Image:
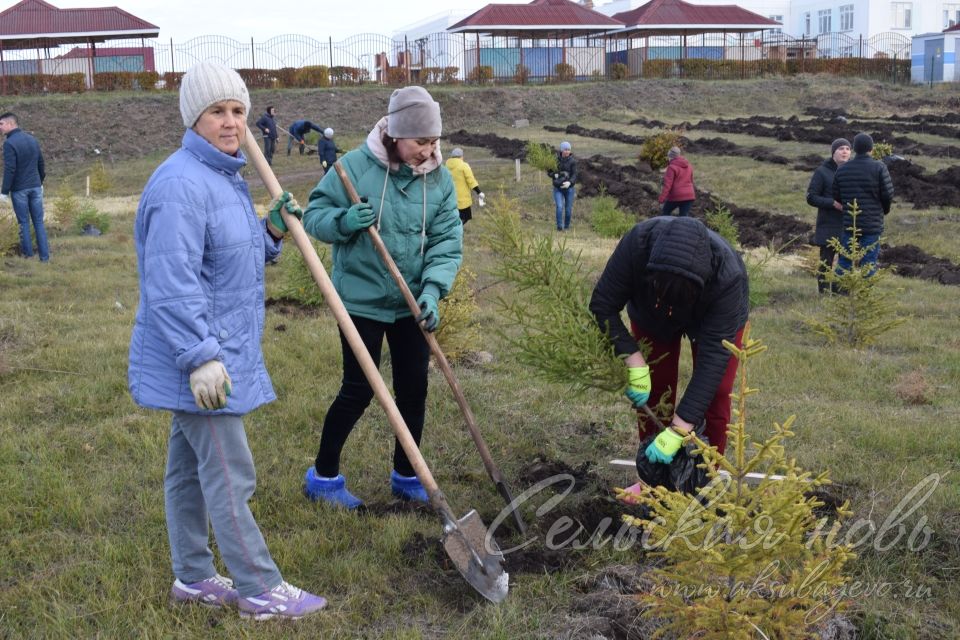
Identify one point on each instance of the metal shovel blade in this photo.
(465, 544)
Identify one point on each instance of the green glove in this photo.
(664, 446)
(288, 202)
(358, 217)
(429, 311)
(638, 391)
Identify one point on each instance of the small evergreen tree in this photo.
(458, 333)
(541, 156)
(744, 559)
(865, 308)
(296, 282)
(607, 219)
(100, 181)
(89, 216)
(66, 206)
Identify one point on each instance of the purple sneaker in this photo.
(283, 601)
(214, 592)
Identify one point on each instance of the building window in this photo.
(778, 19)
(824, 16)
(846, 17)
(902, 15)
(806, 24)
(951, 15)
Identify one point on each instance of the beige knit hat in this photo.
(413, 113)
(207, 83)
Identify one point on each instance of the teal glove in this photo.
(288, 202)
(357, 218)
(664, 446)
(429, 311)
(638, 391)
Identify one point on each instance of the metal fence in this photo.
(444, 57)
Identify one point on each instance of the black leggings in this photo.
(827, 254)
(410, 356)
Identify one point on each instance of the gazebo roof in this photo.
(35, 23)
(676, 17)
(538, 19)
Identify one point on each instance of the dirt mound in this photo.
(913, 262)
(911, 182)
(497, 145)
(543, 468)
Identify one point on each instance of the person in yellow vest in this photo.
(465, 182)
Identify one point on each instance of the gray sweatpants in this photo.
(210, 477)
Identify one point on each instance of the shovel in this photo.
(471, 549)
(492, 470)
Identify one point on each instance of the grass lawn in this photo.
(84, 550)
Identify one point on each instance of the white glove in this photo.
(210, 384)
(565, 184)
(4, 197)
(481, 199)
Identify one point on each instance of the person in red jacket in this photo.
(678, 191)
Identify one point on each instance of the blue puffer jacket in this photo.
(200, 254)
(22, 162)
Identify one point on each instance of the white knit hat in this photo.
(328, 133)
(456, 153)
(413, 113)
(207, 83)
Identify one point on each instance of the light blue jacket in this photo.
(201, 252)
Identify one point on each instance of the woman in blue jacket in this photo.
(195, 348)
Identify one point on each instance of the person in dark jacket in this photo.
(268, 127)
(23, 176)
(298, 130)
(327, 150)
(866, 181)
(563, 180)
(676, 278)
(829, 211)
(678, 191)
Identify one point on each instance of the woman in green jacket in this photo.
(409, 195)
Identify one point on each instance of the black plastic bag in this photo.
(682, 474)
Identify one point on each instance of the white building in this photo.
(855, 17)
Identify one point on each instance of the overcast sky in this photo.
(264, 19)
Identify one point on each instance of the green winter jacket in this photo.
(426, 242)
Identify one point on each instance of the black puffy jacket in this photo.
(820, 195)
(868, 182)
(566, 171)
(685, 246)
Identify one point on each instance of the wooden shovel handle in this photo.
(333, 300)
(431, 339)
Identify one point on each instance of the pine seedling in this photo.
(100, 181)
(541, 156)
(607, 219)
(744, 561)
(458, 333)
(296, 282)
(864, 308)
(552, 330)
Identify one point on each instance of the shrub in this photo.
(541, 156)
(66, 206)
(296, 282)
(396, 76)
(482, 74)
(658, 69)
(720, 220)
(314, 76)
(458, 334)
(606, 219)
(863, 310)
(341, 75)
(90, 217)
(9, 232)
(565, 72)
(113, 81)
(881, 150)
(172, 79)
(146, 80)
(656, 147)
(744, 561)
(521, 75)
(619, 71)
(100, 181)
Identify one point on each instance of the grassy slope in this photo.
(84, 552)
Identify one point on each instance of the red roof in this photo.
(679, 16)
(537, 16)
(955, 27)
(33, 21)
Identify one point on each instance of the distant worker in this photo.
(678, 191)
(268, 127)
(298, 131)
(867, 182)
(464, 181)
(327, 150)
(829, 211)
(563, 180)
(23, 175)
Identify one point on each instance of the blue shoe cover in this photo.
(329, 490)
(407, 488)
